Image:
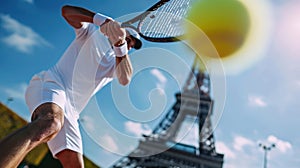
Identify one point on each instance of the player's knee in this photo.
(48, 129)
(48, 122)
(51, 127)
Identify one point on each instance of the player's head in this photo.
(133, 39)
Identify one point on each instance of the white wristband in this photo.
(121, 50)
(99, 19)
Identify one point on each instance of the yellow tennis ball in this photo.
(224, 22)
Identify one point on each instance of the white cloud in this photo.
(29, 1)
(223, 148)
(161, 78)
(241, 142)
(137, 128)
(245, 152)
(282, 146)
(242, 152)
(159, 75)
(108, 143)
(256, 101)
(16, 92)
(21, 37)
(88, 123)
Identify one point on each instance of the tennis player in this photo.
(56, 96)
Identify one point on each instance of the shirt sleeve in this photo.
(86, 30)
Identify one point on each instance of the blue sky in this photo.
(262, 80)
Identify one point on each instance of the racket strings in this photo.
(167, 20)
(175, 22)
(160, 20)
(170, 9)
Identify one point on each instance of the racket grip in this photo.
(99, 19)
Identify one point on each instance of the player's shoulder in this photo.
(86, 29)
(89, 26)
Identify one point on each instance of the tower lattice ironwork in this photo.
(162, 149)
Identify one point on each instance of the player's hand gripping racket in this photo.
(162, 22)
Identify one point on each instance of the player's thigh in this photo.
(45, 97)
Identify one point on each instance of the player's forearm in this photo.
(75, 15)
(123, 69)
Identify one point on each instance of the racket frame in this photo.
(139, 18)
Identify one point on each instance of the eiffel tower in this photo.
(160, 148)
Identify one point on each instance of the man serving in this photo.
(56, 97)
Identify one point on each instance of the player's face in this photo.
(130, 42)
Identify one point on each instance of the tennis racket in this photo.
(162, 22)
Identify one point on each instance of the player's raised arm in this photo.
(121, 39)
(75, 15)
(118, 35)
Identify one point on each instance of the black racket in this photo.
(162, 22)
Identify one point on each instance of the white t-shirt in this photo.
(86, 66)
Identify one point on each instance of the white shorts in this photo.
(44, 88)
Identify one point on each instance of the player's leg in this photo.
(67, 144)
(70, 159)
(48, 120)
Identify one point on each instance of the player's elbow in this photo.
(124, 80)
(65, 10)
